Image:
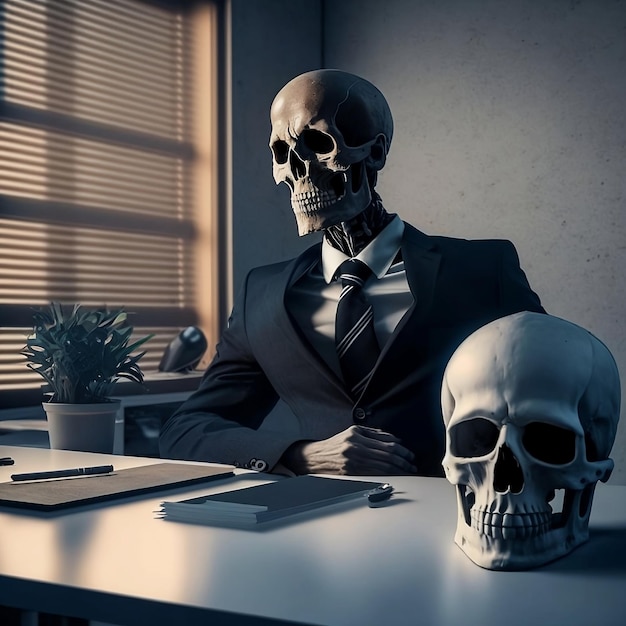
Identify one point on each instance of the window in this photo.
(108, 187)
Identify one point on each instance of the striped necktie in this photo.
(355, 340)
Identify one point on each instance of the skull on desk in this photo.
(330, 135)
(531, 405)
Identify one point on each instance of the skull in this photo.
(331, 132)
(531, 404)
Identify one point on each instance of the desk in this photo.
(391, 566)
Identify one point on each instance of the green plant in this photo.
(82, 354)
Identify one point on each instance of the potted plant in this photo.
(81, 354)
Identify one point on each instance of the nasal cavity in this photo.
(297, 166)
(508, 474)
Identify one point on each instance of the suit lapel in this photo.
(421, 264)
(300, 267)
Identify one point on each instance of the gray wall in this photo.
(509, 123)
(272, 41)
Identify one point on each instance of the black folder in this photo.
(264, 503)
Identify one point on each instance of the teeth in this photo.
(309, 202)
(511, 533)
(510, 525)
(513, 521)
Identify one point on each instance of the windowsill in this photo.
(160, 382)
(158, 387)
(136, 429)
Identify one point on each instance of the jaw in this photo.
(516, 554)
(529, 537)
(311, 219)
(316, 209)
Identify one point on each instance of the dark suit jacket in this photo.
(458, 286)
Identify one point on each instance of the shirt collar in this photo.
(378, 255)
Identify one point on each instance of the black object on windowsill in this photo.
(185, 351)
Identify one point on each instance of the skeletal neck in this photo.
(352, 236)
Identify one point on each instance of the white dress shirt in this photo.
(312, 300)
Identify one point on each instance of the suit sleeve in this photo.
(515, 291)
(220, 421)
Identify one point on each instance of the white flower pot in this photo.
(84, 427)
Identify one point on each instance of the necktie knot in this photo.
(353, 272)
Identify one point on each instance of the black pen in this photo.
(66, 473)
(6, 460)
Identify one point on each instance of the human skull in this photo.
(331, 132)
(531, 404)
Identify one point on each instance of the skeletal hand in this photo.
(358, 450)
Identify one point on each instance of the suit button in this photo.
(358, 413)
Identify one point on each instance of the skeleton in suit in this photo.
(331, 132)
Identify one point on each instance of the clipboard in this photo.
(54, 495)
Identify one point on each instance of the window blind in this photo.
(97, 163)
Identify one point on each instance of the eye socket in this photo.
(280, 150)
(549, 443)
(474, 437)
(317, 141)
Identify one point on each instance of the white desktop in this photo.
(396, 565)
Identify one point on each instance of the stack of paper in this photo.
(264, 503)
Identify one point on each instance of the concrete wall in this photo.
(272, 41)
(509, 123)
